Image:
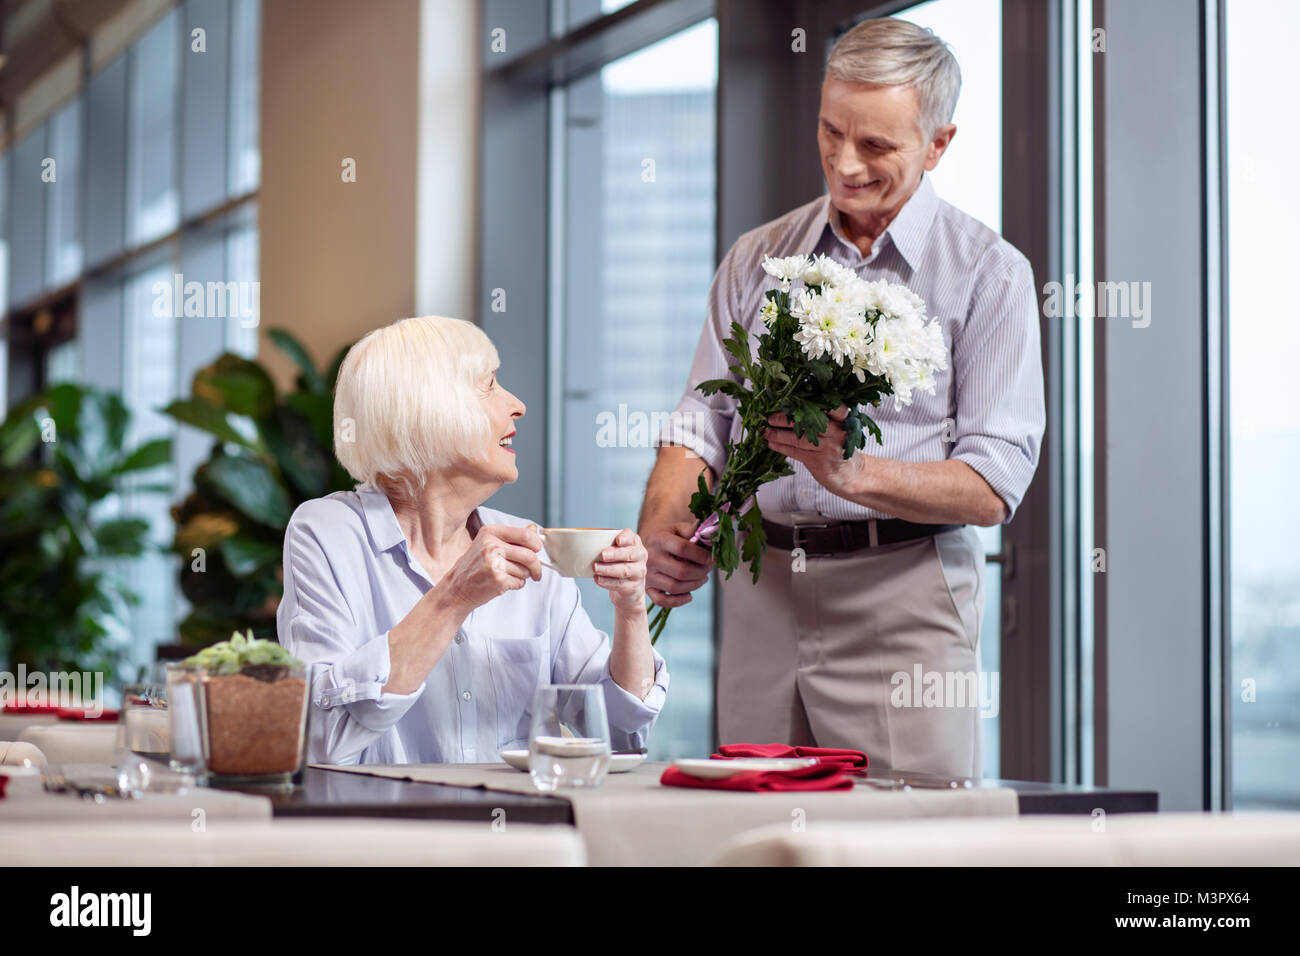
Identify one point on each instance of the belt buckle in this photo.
(798, 538)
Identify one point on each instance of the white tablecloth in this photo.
(632, 819)
(25, 800)
(1121, 839)
(72, 741)
(13, 725)
(333, 843)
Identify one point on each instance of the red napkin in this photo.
(814, 777)
(4, 782)
(849, 761)
(13, 707)
(79, 713)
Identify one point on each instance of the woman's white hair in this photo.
(892, 52)
(408, 402)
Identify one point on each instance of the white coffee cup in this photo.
(573, 551)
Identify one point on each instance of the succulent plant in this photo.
(245, 654)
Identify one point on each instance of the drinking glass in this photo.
(143, 735)
(568, 744)
(184, 717)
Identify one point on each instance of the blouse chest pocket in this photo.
(519, 665)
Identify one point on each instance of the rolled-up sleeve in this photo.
(583, 657)
(315, 623)
(700, 423)
(998, 381)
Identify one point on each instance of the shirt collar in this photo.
(908, 231)
(381, 520)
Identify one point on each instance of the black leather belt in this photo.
(846, 536)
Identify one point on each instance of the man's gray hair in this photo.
(892, 52)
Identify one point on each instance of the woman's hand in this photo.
(620, 570)
(501, 558)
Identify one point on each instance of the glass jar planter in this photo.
(254, 724)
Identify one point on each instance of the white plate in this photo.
(622, 763)
(618, 763)
(719, 769)
(516, 758)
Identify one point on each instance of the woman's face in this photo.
(502, 409)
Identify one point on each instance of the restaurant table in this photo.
(328, 793)
(633, 819)
(13, 725)
(26, 801)
(74, 741)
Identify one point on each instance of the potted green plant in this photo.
(272, 452)
(253, 704)
(63, 458)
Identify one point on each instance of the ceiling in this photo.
(36, 34)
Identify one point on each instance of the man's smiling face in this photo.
(873, 148)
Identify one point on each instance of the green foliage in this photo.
(241, 651)
(272, 452)
(63, 454)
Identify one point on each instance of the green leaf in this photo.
(222, 425)
(298, 452)
(873, 428)
(149, 455)
(738, 345)
(725, 554)
(775, 371)
(724, 385)
(751, 523)
(854, 439)
(122, 536)
(252, 488)
(19, 435)
(332, 373)
(702, 503)
(235, 384)
(290, 346)
(319, 411)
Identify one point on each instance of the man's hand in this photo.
(825, 460)
(675, 566)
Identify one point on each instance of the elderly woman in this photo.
(435, 615)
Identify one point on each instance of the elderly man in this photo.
(873, 575)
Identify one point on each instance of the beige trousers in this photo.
(876, 649)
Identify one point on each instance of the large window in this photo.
(1263, 393)
(149, 173)
(636, 213)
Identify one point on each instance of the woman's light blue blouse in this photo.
(349, 577)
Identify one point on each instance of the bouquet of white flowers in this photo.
(840, 340)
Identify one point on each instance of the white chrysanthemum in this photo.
(872, 326)
(824, 271)
(907, 350)
(823, 324)
(769, 311)
(785, 269)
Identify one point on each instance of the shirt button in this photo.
(460, 638)
(466, 695)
